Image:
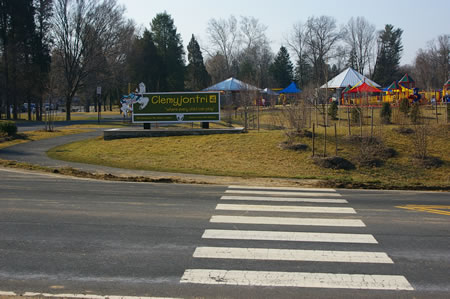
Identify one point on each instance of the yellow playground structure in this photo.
(397, 90)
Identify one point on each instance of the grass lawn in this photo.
(257, 154)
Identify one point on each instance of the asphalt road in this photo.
(23, 126)
(73, 236)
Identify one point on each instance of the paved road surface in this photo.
(62, 235)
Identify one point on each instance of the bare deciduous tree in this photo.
(224, 39)
(255, 57)
(86, 32)
(359, 35)
(253, 33)
(322, 36)
(296, 42)
(432, 65)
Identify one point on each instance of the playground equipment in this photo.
(416, 96)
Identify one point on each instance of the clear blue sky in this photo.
(421, 21)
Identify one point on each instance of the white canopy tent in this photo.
(349, 77)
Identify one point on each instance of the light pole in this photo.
(99, 108)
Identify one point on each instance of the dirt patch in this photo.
(429, 162)
(334, 163)
(404, 131)
(293, 146)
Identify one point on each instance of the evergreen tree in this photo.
(351, 62)
(17, 32)
(282, 68)
(144, 63)
(386, 113)
(333, 110)
(41, 45)
(303, 72)
(197, 78)
(416, 114)
(404, 106)
(169, 47)
(389, 53)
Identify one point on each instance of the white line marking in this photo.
(310, 194)
(287, 209)
(287, 221)
(292, 255)
(282, 188)
(288, 236)
(286, 199)
(2, 293)
(296, 279)
(86, 296)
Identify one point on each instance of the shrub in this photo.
(8, 127)
(333, 110)
(415, 113)
(420, 141)
(404, 106)
(356, 114)
(369, 150)
(386, 113)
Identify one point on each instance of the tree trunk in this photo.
(39, 106)
(87, 105)
(68, 106)
(29, 106)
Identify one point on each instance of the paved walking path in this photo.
(34, 152)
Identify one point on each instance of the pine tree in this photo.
(386, 113)
(282, 68)
(41, 45)
(389, 54)
(170, 50)
(144, 63)
(333, 110)
(197, 78)
(17, 31)
(351, 62)
(303, 72)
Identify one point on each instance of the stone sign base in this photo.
(164, 132)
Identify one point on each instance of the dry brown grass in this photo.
(258, 155)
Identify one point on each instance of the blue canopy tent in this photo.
(291, 89)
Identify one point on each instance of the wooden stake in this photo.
(336, 139)
(313, 139)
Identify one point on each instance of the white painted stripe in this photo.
(285, 199)
(292, 255)
(288, 236)
(296, 279)
(306, 194)
(287, 209)
(282, 188)
(287, 221)
(87, 296)
(2, 293)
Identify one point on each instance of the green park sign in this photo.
(177, 107)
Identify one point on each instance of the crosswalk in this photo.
(277, 208)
